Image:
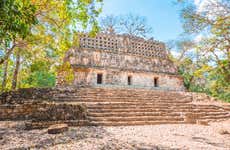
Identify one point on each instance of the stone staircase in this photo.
(115, 107)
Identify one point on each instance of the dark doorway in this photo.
(99, 78)
(129, 80)
(156, 84)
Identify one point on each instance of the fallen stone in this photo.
(57, 128)
(201, 122)
(224, 131)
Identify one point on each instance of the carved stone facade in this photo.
(121, 60)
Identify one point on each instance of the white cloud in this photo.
(198, 38)
(175, 53)
(197, 2)
(202, 5)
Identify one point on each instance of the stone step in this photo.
(127, 106)
(110, 91)
(130, 98)
(150, 113)
(118, 95)
(131, 123)
(205, 106)
(204, 114)
(132, 114)
(131, 105)
(227, 116)
(151, 110)
(125, 101)
(105, 96)
(150, 104)
(142, 118)
(130, 101)
(137, 102)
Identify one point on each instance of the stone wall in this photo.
(43, 107)
(27, 95)
(116, 68)
(100, 59)
(114, 77)
(123, 44)
(39, 105)
(120, 56)
(42, 112)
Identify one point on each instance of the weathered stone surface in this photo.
(124, 44)
(100, 59)
(30, 125)
(120, 56)
(191, 118)
(224, 132)
(109, 106)
(39, 105)
(30, 95)
(57, 128)
(113, 77)
(202, 122)
(43, 112)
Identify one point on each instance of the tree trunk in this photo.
(16, 70)
(4, 79)
(8, 53)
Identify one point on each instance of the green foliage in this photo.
(66, 73)
(184, 71)
(220, 81)
(40, 79)
(216, 82)
(16, 19)
(43, 30)
(39, 75)
(211, 67)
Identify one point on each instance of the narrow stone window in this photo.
(99, 78)
(129, 80)
(156, 84)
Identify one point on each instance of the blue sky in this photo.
(162, 15)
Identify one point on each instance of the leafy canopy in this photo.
(16, 19)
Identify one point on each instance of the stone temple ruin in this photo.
(122, 60)
(118, 80)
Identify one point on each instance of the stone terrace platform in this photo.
(110, 106)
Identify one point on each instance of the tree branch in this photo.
(8, 52)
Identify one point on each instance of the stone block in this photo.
(202, 122)
(57, 128)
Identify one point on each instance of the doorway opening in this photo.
(99, 78)
(129, 80)
(156, 82)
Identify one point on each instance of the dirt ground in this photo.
(215, 136)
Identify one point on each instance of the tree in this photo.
(212, 21)
(16, 70)
(130, 24)
(109, 24)
(56, 30)
(38, 75)
(16, 19)
(5, 74)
